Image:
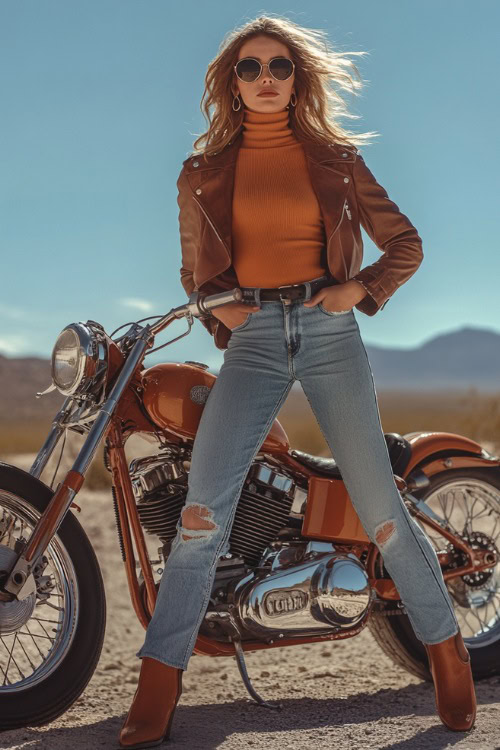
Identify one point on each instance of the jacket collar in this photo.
(315, 152)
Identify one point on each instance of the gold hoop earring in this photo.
(293, 103)
(236, 99)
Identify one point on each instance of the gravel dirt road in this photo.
(346, 695)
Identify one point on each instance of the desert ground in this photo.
(346, 695)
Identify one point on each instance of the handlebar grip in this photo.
(206, 302)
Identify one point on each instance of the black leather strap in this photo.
(291, 292)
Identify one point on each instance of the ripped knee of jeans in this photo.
(384, 531)
(196, 522)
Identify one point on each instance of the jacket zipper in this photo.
(338, 224)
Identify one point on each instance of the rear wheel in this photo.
(469, 499)
(50, 642)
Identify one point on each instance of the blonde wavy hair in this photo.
(319, 74)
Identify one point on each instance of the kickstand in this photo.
(240, 661)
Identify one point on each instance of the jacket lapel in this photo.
(330, 179)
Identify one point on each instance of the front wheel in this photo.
(469, 499)
(50, 642)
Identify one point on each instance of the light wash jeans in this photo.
(276, 345)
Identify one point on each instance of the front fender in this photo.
(16, 480)
(433, 452)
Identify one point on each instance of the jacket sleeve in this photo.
(189, 231)
(393, 234)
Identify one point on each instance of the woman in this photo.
(274, 206)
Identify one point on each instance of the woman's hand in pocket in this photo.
(234, 314)
(338, 297)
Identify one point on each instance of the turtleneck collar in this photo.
(266, 129)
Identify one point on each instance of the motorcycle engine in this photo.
(272, 583)
(269, 501)
(300, 589)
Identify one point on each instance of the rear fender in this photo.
(433, 452)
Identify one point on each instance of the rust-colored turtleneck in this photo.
(277, 228)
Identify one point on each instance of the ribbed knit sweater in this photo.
(277, 228)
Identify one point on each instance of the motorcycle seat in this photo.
(399, 453)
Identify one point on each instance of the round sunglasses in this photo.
(249, 69)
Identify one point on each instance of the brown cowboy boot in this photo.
(449, 663)
(150, 716)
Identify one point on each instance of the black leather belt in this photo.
(288, 291)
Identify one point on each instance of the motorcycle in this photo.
(300, 567)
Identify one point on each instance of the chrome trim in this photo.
(470, 507)
(89, 447)
(93, 362)
(52, 439)
(267, 474)
(310, 589)
(107, 409)
(67, 610)
(152, 473)
(424, 508)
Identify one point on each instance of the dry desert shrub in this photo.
(470, 413)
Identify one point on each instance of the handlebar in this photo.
(199, 305)
(207, 301)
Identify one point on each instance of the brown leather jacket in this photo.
(348, 195)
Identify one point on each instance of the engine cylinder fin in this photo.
(259, 517)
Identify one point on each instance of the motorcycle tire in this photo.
(61, 681)
(394, 633)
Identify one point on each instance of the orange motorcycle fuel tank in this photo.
(175, 393)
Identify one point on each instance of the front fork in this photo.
(20, 582)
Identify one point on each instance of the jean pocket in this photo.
(331, 312)
(242, 325)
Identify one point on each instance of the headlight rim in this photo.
(93, 359)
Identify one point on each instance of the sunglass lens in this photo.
(281, 68)
(248, 70)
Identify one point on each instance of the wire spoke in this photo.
(11, 656)
(45, 631)
(21, 632)
(41, 619)
(54, 606)
(25, 652)
(471, 506)
(5, 678)
(33, 639)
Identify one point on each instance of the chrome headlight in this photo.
(80, 359)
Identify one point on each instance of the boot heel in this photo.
(156, 698)
(166, 736)
(455, 697)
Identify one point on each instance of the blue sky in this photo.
(101, 104)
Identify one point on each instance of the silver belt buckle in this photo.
(283, 286)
